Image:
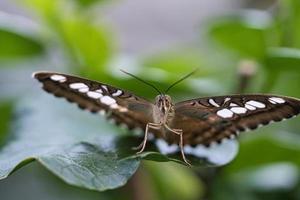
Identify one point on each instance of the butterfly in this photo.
(187, 123)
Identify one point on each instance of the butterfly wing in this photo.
(120, 105)
(211, 119)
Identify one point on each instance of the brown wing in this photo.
(211, 119)
(120, 105)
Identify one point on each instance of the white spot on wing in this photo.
(256, 104)
(225, 113)
(233, 104)
(117, 93)
(104, 87)
(78, 85)
(58, 78)
(94, 95)
(249, 107)
(123, 109)
(119, 108)
(83, 90)
(107, 100)
(227, 99)
(239, 110)
(114, 106)
(275, 100)
(212, 102)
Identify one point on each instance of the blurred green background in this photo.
(247, 46)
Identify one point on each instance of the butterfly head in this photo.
(164, 103)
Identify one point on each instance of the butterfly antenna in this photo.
(183, 78)
(143, 81)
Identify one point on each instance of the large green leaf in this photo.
(54, 137)
(90, 166)
(17, 40)
(245, 33)
(282, 66)
(81, 148)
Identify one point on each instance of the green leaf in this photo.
(180, 180)
(272, 182)
(266, 149)
(276, 152)
(86, 3)
(283, 59)
(87, 43)
(90, 166)
(5, 118)
(68, 144)
(282, 63)
(289, 20)
(169, 67)
(14, 45)
(16, 40)
(244, 33)
(80, 148)
(278, 176)
(177, 62)
(40, 183)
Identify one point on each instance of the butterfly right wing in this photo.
(122, 106)
(207, 120)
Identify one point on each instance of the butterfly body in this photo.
(190, 123)
(163, 113)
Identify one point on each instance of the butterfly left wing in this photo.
(207, 120)
(122, 106)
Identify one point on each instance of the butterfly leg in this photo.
(143, 144)
(180, 133)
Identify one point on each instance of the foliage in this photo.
(85, 151)
(5, 117)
